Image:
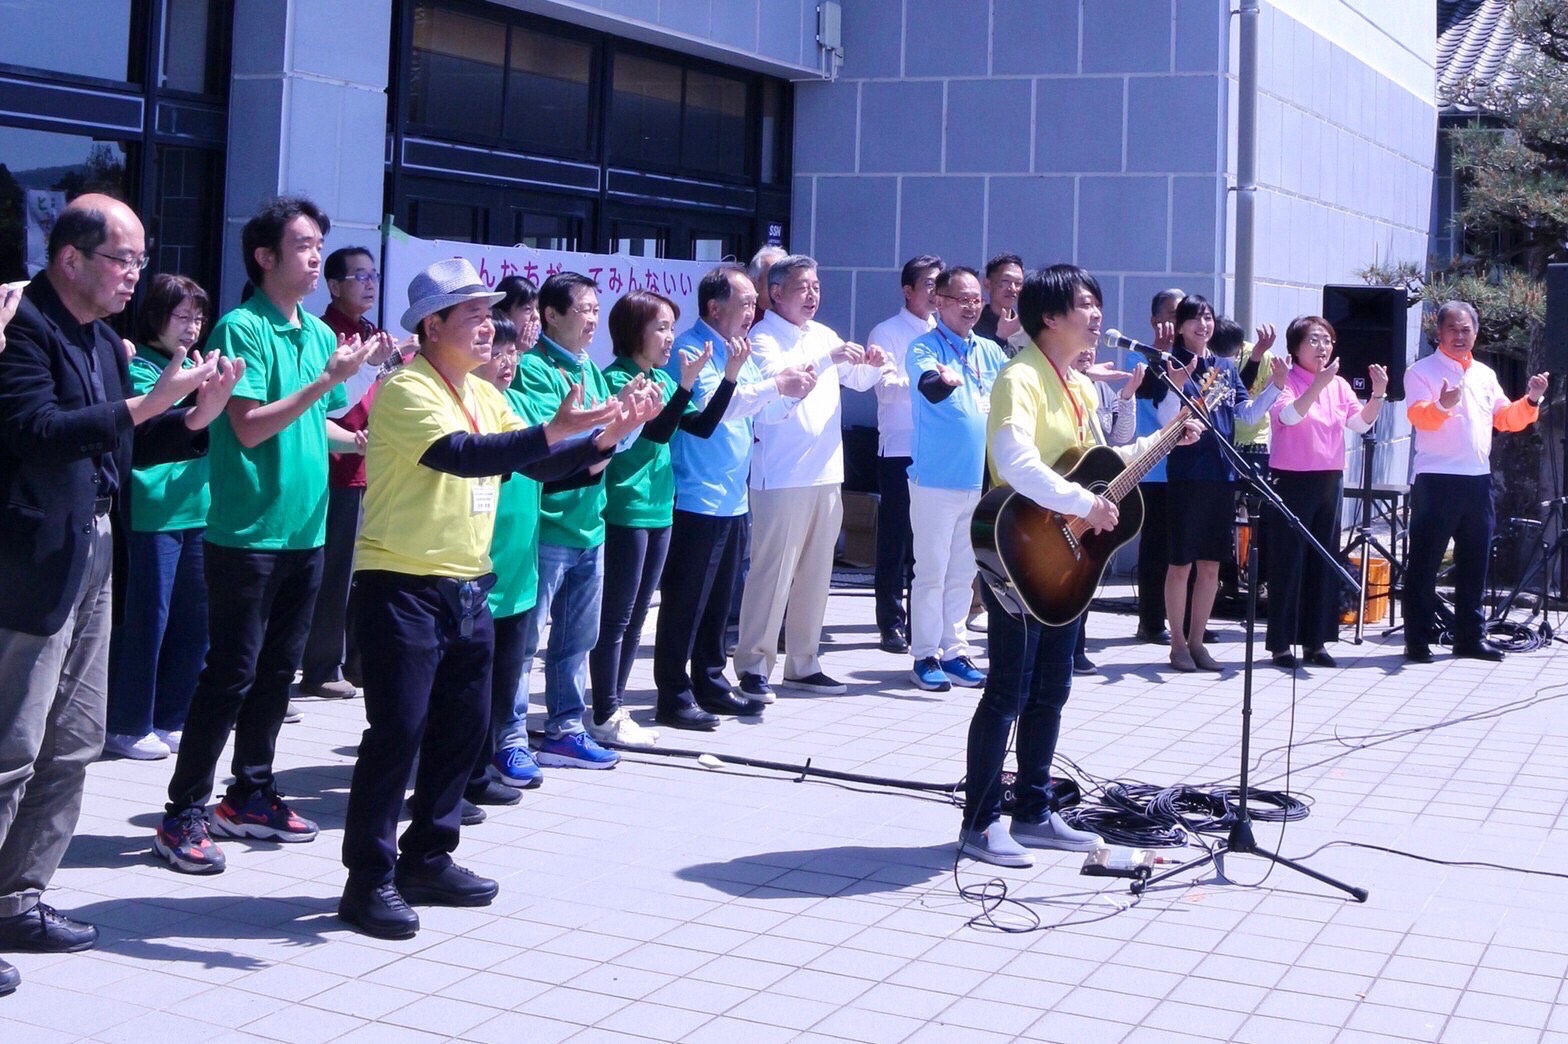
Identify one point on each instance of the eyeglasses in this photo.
(371, 276)
(188, 318)
(138, 262)
(1320, 341)
(964, 302)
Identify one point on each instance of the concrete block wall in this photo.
(967, 128)
(307, 114)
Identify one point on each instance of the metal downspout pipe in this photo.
(1246, 163)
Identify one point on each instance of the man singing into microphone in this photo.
(1455, 402)
(1040, 408)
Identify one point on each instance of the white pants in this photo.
(793, 534)
(940, 596)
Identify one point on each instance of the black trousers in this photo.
(1444, 508)
(506, 671)
(258, 614)
(427, 695)
(895, 542)
(1303, 594)
(1153, 558)
(633, 563)
(694, 605)
(332, 646)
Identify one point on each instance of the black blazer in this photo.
(50, 436)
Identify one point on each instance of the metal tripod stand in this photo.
(1545, 563)
(1364, 540)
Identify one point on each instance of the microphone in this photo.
(1115, 339)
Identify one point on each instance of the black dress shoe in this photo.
(493, 792)
(1209, 637)
(730, 704)
(472, 814)
(1083, 665)
(1287, 660)
(453, 886)
(378, 910)
(1154, 636)
(687, 716)
(893, 641)
(1418, 653)
(1482, 650)
(1319, 657)
(10, 978)
(43, 929)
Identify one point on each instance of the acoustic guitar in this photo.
(1049, 564)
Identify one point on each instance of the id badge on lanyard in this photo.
(484, 494)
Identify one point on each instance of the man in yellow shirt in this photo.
(440, 445)
(1040, 408)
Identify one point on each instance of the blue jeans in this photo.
(156, 653)
(1031, 673)
(570, 581)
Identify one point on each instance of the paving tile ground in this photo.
(666, 901)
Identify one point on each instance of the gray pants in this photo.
(53, 697)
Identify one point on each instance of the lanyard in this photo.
(459, 400)
(965, 352)
(1071, 399)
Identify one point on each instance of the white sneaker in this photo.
(994, 845)
(139, 748)
(621, 730)
(171, 739)
(1053, 832)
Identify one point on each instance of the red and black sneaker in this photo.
(262, 816)
(183, 842)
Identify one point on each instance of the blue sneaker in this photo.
(960, 670)
(928, 675)
(517, 768)
(575, 750)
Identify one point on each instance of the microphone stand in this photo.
(1241, 839)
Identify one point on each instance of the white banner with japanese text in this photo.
(405, 256)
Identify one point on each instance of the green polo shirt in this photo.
(514, 550)
(569, 517)
(640, 483)
(165, 497)
(272, 497)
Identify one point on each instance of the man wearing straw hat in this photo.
(440, 446)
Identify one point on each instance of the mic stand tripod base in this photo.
(1241, 842)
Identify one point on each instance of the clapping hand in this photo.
(382, 347)
(796, 382)
(178, 380)
(346, 360)
(10, 300)
(692, 365)
(875, 356)
(1379, 378)
(572, 418)
(1134, 382)
(1179, 375)
(1164, 336)
(740, 351)
(848, 352)
(213, 395)
(1323, 378)
(1535, 388)
(1105, 371)
(949, 376)
(1448, 397)
(1266, 337)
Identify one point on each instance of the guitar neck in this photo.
(1169, 436)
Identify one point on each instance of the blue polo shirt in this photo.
(949, 436)
(710, 474)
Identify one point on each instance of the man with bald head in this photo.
(67, 422)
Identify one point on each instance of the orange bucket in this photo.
(1378, 574)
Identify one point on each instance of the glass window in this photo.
(39, 173)
(549, 231)
(186, 27)
(54, 36)
(705, 249)
(457, 73)
(772, 132)
(713, 134)
(634, 239)
(548, 91)
(433, 219)
(187, 213)
(645, 113)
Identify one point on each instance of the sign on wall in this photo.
(617, 276)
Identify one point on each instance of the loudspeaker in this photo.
(1369, 322)
(1557, 320)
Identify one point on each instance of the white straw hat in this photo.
(442, 285)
